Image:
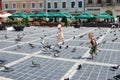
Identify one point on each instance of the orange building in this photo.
(23, 5)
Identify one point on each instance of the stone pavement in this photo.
(19, 55)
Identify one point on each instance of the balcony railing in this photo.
(93, 5)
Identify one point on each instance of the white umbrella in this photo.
(5, 15)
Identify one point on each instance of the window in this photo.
(80, 4)
(89, 1)
(33, 5)
(72, 4)
(63, 4)
(6, 6)
(118, 1)
(23, 5)
(99, 1)
(14, 5)
(55, 4)
(49, 5)
(40, 5)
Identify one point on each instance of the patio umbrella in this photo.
(18, 15)
(60, 14)
(5, 15)
(85, 15)
(104, 16)
(69, 15)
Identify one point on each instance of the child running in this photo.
(93, 46)
(60, 34)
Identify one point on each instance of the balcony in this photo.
(93, 5)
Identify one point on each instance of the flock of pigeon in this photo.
(48, 48)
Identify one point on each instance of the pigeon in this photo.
(79, 67)
(18, 46)
(66, 47)
(56, 55)
(114, 34)
(81, 43)
(113, 40)
(31, 45)
(117, 77)
(41, 37)
(2, 60)
(80, 36)
(57, 51)
(35, 64)
(104, 42)
(45, 35)
(74, 49)
(66, 79)
(60, 47)
(7, 69)
(74, 37)
(6, 37)
(97, 38)
(115, 67)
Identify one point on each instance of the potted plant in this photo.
(19, 26)
(26, 22)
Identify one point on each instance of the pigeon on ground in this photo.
(73, 37)
(79, 67)
(18, 46)
(97, 38)
(114, 34)
(66, 79)
(117, 77)
(74, 49)
(56, 55)
(31, 45)
(6, 37)
(35, 64)
(81, 43)
(7, 69)
(104, 42)
(66, 47)
(115, 67)
(2, 61)
(81, 36)
(60, 47)
(113, 40)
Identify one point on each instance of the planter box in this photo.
(18, 28)
(76, 26)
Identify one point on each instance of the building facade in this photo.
(71, 6)
(99, 6)
(23, 5)
(0, 4)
